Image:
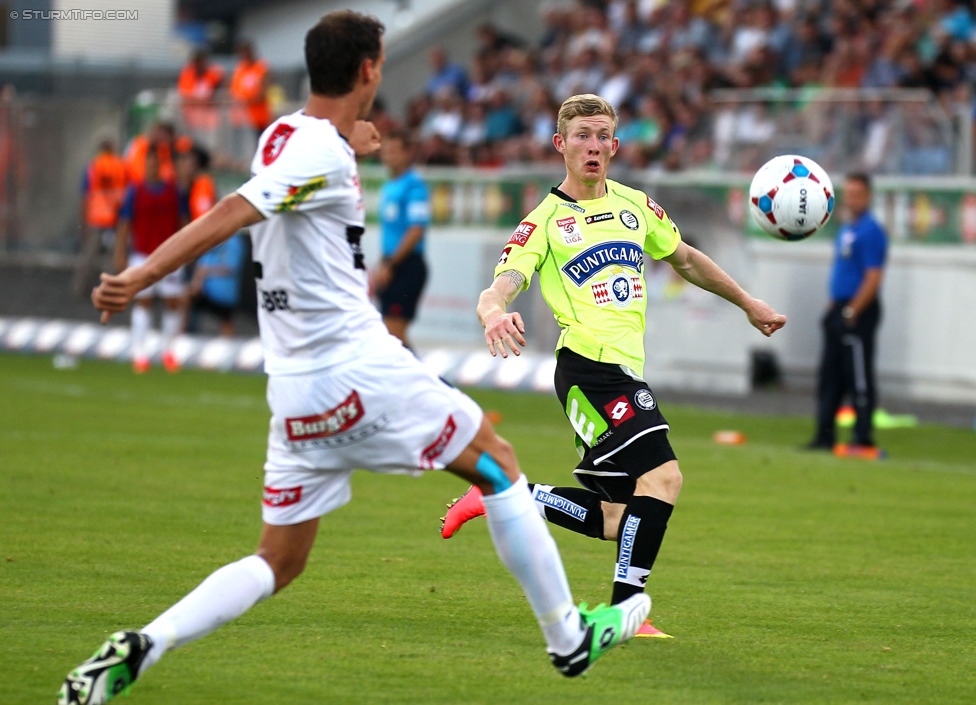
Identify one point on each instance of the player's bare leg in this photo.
(224, 596)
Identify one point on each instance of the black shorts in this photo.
(203, 303)
(400, 298)
(622, 432)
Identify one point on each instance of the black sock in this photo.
(572, 508)
(639, 539)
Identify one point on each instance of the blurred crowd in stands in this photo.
(658, 62)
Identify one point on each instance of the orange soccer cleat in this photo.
(462, 510)
(649, 631)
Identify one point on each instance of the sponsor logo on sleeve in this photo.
(619, 410)
(281, 496)
(522, 233)
(276, 142)
(299, 194)
(598, 218)
(504, 256)
(436, 449)
(658, 211)
(629, 220)
(570, 230)
(594, 259)
(645, 400)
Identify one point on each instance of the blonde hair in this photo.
(585, 105)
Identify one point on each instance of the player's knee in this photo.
(663, 482)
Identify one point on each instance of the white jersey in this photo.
(314, 309)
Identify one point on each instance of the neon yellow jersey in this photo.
(590, 260)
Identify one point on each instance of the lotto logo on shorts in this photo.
(522, 233)
(283, 497)
(435, 449)
(328, 423)
(619, 410)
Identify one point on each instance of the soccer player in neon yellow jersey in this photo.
(587, 241)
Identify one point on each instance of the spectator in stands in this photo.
(445, 74)
(102, 190)
(152, 211)
(197, 87)
(445, 116)
(251, 112)
(501, 120)
(680, 51)
(629, 28)
(437, 151)
(472, 133)
(492, 38)
(806, 46)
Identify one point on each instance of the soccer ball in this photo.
(791, 197)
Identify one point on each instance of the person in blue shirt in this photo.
(444, 74)
(404, 217)
(851, 323)
(216, 285)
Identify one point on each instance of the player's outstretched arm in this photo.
(231, 214)
(698, 268)
(502, 329)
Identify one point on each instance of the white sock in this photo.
(526, 548)
(141, 323)
(171, 325)
(224, 596)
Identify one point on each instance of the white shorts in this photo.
(172, 286)
(385, 413)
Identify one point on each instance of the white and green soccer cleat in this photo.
(108, 672)
(605, 628)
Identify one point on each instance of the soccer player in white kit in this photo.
(332, 365)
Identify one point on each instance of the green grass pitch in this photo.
(786, 577)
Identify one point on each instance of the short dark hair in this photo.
(861, 176)
(336, 47)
